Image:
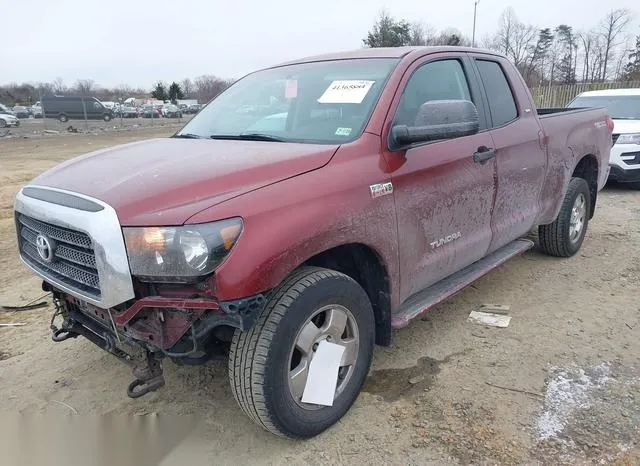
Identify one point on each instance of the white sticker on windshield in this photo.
(346, 92)
(343, 131)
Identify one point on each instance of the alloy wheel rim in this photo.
(333, 323)
(578, 218)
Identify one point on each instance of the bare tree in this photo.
(84, 86)
(209, 86)
(58, 86)
(611, 28)
(123, 91)
(622, 58)
(534, 70)
(589, 42)
(187, 88)
(514, 38)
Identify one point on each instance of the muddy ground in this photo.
(560, 385)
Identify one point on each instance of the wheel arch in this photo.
(364, 265)
(587, 169)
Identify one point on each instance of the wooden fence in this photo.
(560, 95)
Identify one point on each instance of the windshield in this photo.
(320, 102)
(621, 107)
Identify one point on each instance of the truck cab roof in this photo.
(387, 52)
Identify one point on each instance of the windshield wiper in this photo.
(187, 136)
(248, 137)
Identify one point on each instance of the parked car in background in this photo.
(21, 111)
(126, 111)
(66, 108)
(4, 110)
(624, 107)
(36, 111)
(8, 120)
(150, 111)
(171, 111)
(193, 109)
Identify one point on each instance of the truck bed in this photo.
(569, 132)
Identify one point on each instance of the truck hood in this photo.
(626, 126)
(166, 181)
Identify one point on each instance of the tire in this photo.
(106, 117)
(2, 123)
(63, 118)
(561, 238)
(260, 359)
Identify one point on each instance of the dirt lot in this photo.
(561, 384)
(36, 127)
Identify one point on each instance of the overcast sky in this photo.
(138, 42)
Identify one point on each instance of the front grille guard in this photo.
(103, 228)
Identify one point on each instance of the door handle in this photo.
(484, 154)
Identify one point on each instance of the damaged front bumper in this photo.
(75, 244)
(152, 329)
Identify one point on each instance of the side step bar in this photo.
(424, 300)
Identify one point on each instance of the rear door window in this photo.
(502, 105)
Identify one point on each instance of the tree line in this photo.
(560, 54)
(203, 88)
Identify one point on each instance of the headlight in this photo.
(180, 254)
(633, 138)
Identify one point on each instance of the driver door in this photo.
(444, 198)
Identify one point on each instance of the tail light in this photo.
(610, 124)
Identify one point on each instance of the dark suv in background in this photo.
(67, 108)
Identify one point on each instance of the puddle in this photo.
(393, 384)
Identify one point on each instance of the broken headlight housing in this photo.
(181, 254)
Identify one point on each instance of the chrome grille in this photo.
(73, 262)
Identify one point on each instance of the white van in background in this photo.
(624, 107)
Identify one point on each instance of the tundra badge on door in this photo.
(445, 240)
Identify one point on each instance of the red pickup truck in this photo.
(310, 208)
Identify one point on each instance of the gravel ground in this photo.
(560, 385)
(37, 127)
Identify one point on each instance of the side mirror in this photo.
(439, 119)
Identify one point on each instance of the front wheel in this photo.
(269, 364)
(106, 117)
(63, 118)
(565, 235)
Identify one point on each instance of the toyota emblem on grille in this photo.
(46, 248)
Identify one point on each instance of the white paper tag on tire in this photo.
(346, 92)
(323, 374)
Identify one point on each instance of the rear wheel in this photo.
(564, 237)
(269, 364)
(63, 118)
(2, 123)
